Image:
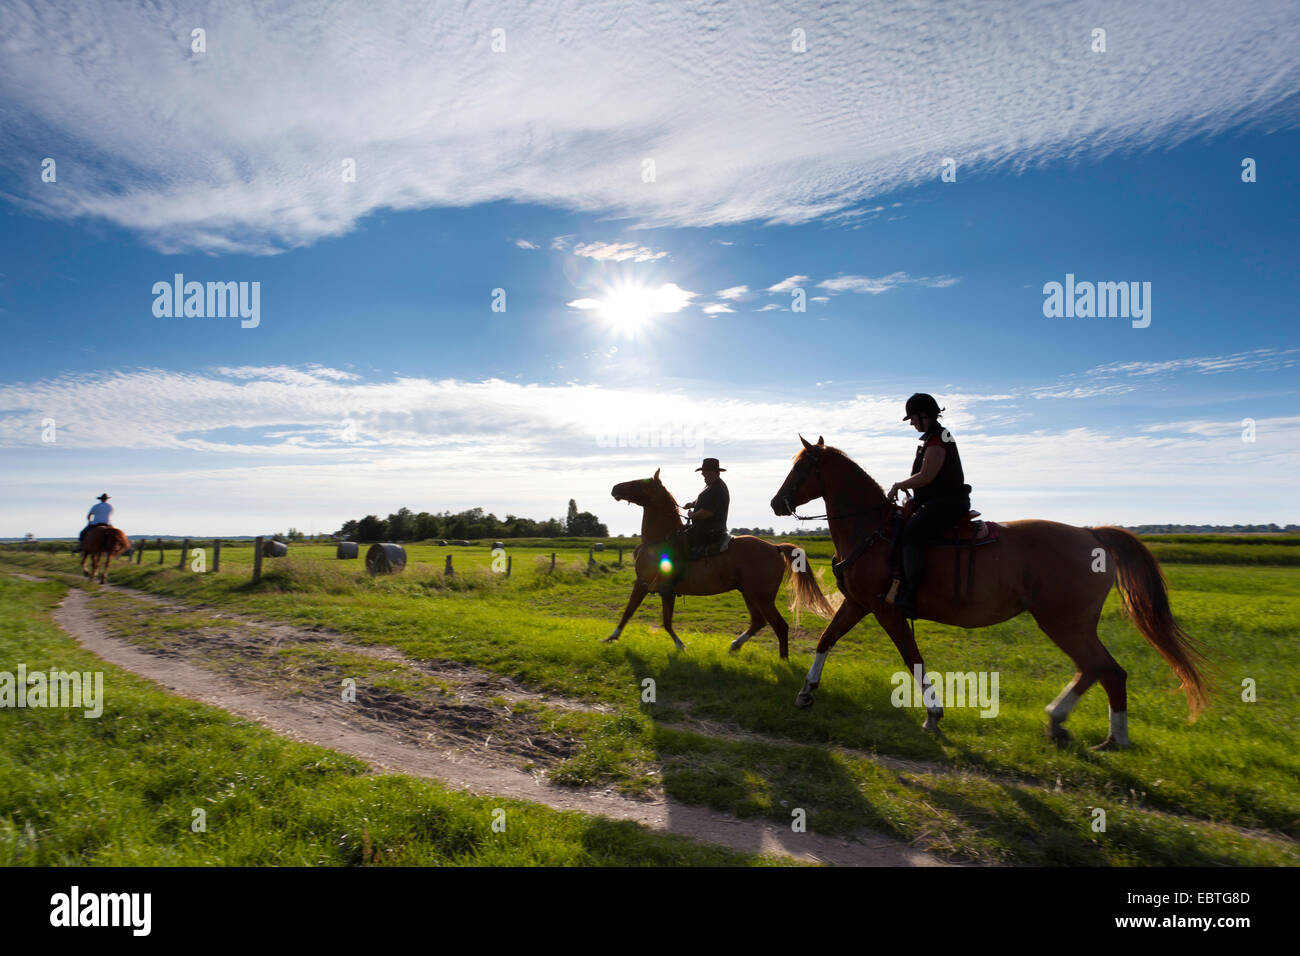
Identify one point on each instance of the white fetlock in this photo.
(1119, 728)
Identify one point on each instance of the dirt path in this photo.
(326, 723)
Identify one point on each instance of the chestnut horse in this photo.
(1059, 573)
(750, 565)
(102, 541)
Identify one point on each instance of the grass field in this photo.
(723, 731)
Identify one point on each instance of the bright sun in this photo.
(628, 308)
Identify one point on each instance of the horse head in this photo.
(804, 482)
(645, 492)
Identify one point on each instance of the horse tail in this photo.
(805, 593)
(123, 542)
(1146, 599)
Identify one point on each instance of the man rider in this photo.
(940, 493)
(98, 514)
(709, 510)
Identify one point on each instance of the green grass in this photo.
(120, 790)
(989, 790)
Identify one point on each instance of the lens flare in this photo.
(665, 564)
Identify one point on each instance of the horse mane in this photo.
(853, 465)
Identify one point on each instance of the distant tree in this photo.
(401, 525)
(348, 532)
(584, 524)
(295, 535)
(372, 528)
(570, 517)
(427, 526)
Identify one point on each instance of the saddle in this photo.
(970, 531)
(710, 548)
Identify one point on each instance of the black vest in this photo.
(950, 480)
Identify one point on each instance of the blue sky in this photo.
(644, 312)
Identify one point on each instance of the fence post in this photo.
(257, 559)
(185, 549)
(160, 551)
(216, 555)
(552, 562)
(591, 561)
(620, 557)
(509, 560)
(448, 569)
(139, 552)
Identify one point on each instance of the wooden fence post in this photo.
(216, 555)
(160, 551)
(552, 562)
(620, 557)
(591, 561)
(257, 559)
(185, 549)
(509, 560)
(448, 569)
(139, 552)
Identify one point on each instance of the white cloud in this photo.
(884, 283)
(770, 307)
(617, 252)
(732, 293)
(788, 284)
(669, 297)
(716, 308)
(1263, 359)
(525, 244)
(242, 148)
(240, 451)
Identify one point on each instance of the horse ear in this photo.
(657, 475)
(805, 443)
(821, 442)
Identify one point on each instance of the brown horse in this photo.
(102, 541)
(1060, 574)
(750, 565)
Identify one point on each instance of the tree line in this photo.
(406, 525)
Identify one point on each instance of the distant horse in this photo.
(102, 541)
(750, 565)
(1060, 574)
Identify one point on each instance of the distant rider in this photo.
(101, 513)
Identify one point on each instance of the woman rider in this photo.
(942, 497)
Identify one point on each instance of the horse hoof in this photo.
(804, 699)
(610, 640)
(681, 646)
(931, 725)
(734, 648)
(1058, 734)
(1110, 743)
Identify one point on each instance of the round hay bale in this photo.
(442, 542)
(462, 544)
(498, 544)
(274, 549)
(385, 558)
(598, 546)
(348, 549)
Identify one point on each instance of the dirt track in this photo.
(329, 723)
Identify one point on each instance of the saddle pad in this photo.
(986, 532)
